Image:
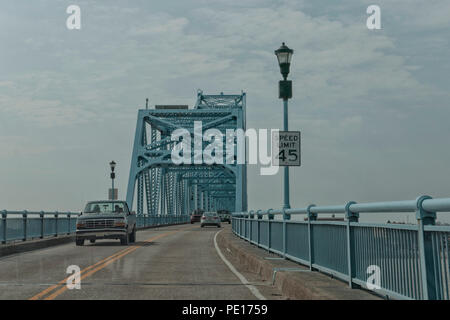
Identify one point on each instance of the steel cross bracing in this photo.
(166, 188)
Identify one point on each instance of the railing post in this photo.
(238, 224)
(251, 217)
(427, 266)
(24, 218)
(68, 222)
(286, 217)
(311, 217)
(4, 216)
(350, 217)
(41, 215)
(258, 224)
(238, 227)
(270, 217)
(56, 223)
(246, 225)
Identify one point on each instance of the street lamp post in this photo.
(284, 55)
(112, 164)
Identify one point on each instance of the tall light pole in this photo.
(112, 164)
(284, 56)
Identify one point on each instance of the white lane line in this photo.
(244, 281)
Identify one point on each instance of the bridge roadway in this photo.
(174, 262)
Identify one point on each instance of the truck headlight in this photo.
(119, 223)
(80, 224)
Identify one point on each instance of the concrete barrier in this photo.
(29, 245)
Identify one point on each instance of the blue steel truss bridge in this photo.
(161, 187)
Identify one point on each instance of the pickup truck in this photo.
(106, 220)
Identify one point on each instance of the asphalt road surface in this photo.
(176, 262)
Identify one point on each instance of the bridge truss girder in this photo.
(166, 188)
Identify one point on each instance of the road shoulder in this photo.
(300, 284)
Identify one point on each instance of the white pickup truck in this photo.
(106, 220)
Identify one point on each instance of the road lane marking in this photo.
(96, 267)
(51, 288)
(108, 262)
(100, 267)
(244, 281)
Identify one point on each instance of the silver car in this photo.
(210, 219)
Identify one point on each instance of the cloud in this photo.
(160, 25)
(19, 146)
(219, 48)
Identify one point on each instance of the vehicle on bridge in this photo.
(210, 219)
(225, 216)
(106, 220)
(196, 215)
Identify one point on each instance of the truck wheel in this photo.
(92, 241)
(133, 236)
(79, 242)
(124, 240)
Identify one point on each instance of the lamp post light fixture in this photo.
(284, 56)
(112, 164)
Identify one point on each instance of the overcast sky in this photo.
(372, 105)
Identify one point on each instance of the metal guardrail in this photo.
(413, 260)
(25, 225)
(161, 220)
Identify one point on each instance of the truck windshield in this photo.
(105, 207)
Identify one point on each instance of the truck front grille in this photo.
(99, 223)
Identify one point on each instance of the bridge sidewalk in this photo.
(301, 284)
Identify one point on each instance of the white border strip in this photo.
(244, 281)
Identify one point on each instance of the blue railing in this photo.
(161, 220)
(24, 225)
(412, 261)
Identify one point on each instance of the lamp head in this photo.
(284, 56)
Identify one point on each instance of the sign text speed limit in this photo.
(286, 148)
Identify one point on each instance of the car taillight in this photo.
(80, 225)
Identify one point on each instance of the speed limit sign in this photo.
(286, 148)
